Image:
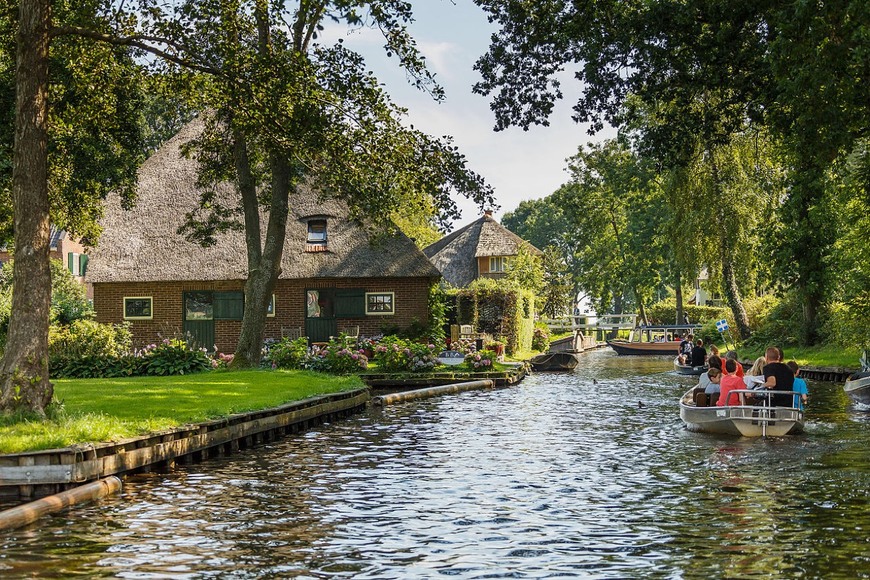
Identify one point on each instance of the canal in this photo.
(587, 474)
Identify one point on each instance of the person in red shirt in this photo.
(730, 382)
(733, 356)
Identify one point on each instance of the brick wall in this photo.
(411, 302)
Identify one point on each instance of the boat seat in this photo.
(714, 398)
(701, 399)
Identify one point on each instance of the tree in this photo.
(798, 68)
(288, 113)
(558, 298)
(71, 146)
(526, 269)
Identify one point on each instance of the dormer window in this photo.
(316, 236)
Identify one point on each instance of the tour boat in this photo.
(745, 420)
(688, 369)
(858, 388)
(647, 340)
(554, 361)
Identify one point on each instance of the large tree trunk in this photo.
(732, 295)
(264, 266)
(24, 380)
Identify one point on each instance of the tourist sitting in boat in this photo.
(730, 382)
(686, 349)
(799, 386)
(754, 377)
(732, 354)
(778, 377)
(705, 381)
(699, 354)
(714, 350)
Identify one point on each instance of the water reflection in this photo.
(588, 474)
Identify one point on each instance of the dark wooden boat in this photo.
(858, 388)
(652, 340)
(554, 361)
(688, 369)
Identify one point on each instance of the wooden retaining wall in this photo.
(831, 374)
(417, 380)
(41, 473)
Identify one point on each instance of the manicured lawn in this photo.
(94, 410)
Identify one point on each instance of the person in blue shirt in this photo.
(799, 386)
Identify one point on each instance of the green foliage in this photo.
(664, 312)
(499, 309)
(89, 338)
(438, 301)
(287, 353)
(526, 269)
(173, 356)
(395, 355)
(69, 299)
(336, 358)
(541, 338)
(557, 294)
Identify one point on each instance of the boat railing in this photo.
(763, 394)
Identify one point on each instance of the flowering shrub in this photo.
(540, 339)
(336, 358)
(286, 353)
(480, 360)
(221, 360)
(173, 356)
(395, 355)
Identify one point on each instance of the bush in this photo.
(287, 353)
(173, 356)
(395, 355)
(665, 312)
(482, 360)
(541, 338)
(336, 358)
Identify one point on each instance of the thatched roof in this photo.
(456, 255)
(142, 245)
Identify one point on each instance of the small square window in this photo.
(498, 264)
(317, 232)
(138, 308)
(270, 309)
(380, 303)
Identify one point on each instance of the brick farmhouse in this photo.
(335, 274)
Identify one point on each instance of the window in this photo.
(498, 264)
(316, 236)
(73, 264)
(229, 305)
(138, 308)
(380, 303)
(270, 309)
(198, 306)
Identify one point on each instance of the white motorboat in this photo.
(702, 415)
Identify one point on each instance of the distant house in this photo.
(64, 248)
(333, 275)
(482, 249)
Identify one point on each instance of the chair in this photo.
(350, 334)
(466, 331)
(291, 332)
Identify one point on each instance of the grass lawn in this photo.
(94, 410)
(813, 356)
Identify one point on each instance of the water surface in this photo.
(584, 474)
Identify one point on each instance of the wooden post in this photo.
(30, 512)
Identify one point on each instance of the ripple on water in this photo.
(585, 474)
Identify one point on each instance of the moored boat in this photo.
(858, 388)
(688, 369)
(745, 420)
(554, 361)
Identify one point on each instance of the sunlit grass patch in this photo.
(94, 410)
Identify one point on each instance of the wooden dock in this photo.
(42, 473)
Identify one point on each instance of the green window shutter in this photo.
(69, 261)
(350, 303)
(83, 264)
(229, 305)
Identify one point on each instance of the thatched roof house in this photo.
(145, 272)
(482, 249)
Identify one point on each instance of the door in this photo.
(320, 322)
(198, 324)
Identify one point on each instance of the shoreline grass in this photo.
(96, 410)
(812, 356)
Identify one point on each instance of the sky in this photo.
(452, 35)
